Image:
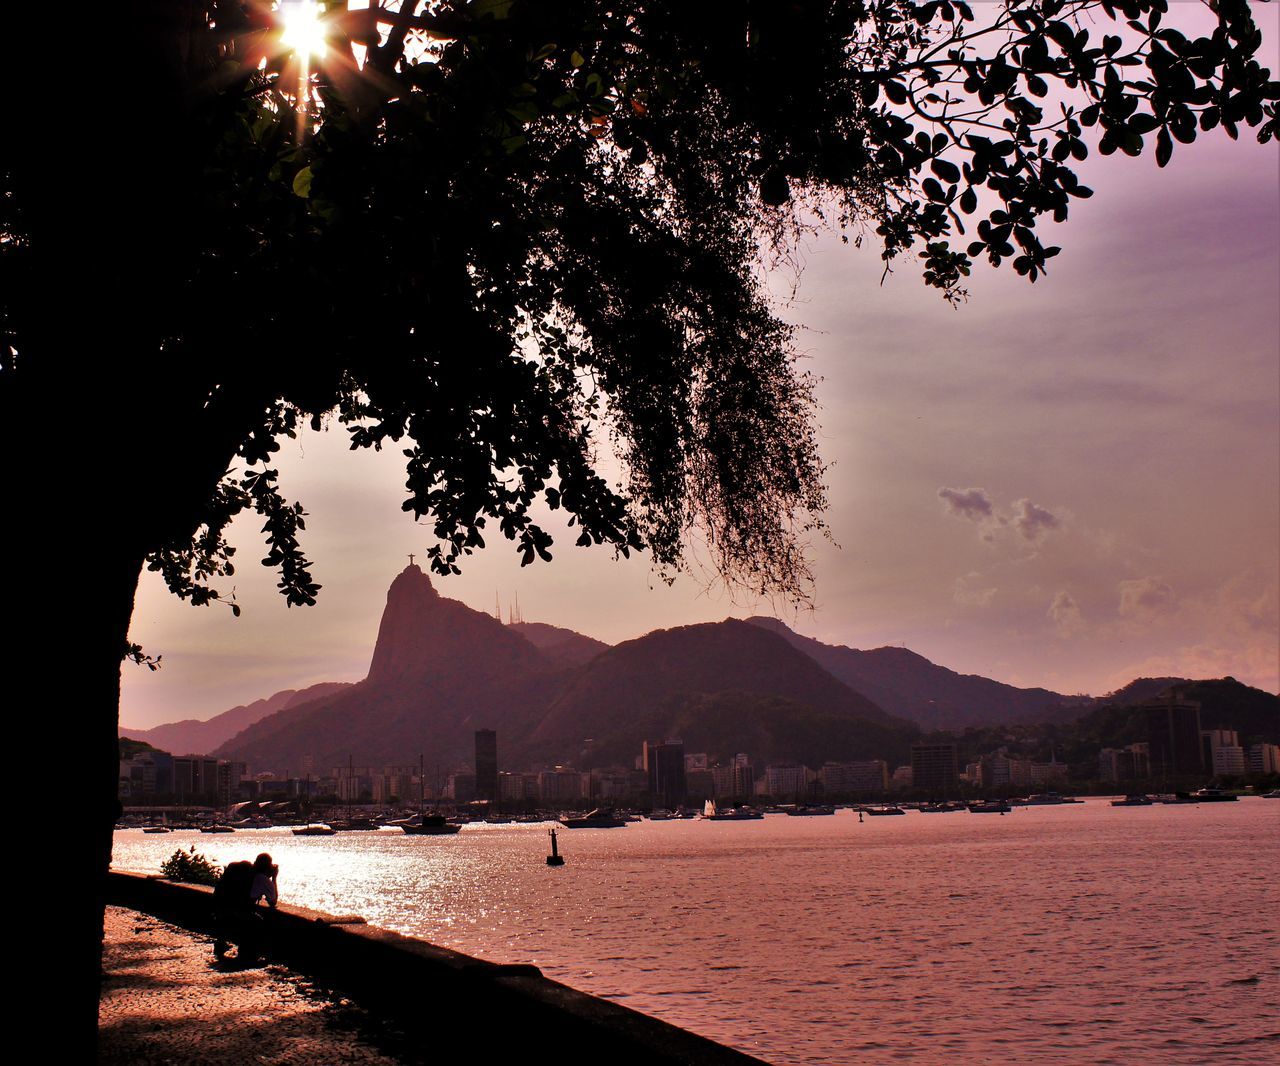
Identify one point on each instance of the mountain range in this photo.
(440, 670)
(191, 736)
(910, 686)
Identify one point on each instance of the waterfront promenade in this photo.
(163, 1001)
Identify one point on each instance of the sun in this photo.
(303, 30)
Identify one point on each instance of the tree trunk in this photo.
(98, 463)
(102, 631)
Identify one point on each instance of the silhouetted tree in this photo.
(489, 233)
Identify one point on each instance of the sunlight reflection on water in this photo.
(1068, 934)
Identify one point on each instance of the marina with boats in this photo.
(447, 822)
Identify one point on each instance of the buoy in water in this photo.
(555, 858)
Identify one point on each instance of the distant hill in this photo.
(563, 647)
(1139, 689)
(1225, 703)
(910, 686)
(1229, 704)
(769, 728)
(661, 684)
(193, 737)
(130, 747)
(440, 670)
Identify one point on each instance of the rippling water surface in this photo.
(1081, 933)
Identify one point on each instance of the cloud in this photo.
(1145, 598)
(1033, 521)
(1065, 613)
(974, 504)
(1231, 630)
(969, 592)
(1029, 520)
(1254, 665)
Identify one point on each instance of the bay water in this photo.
(1057, 934)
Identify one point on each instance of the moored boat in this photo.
(1050, 799)
(430, 825)
(1133, 801)
(355, 825)
(989, 807)
(600, 818)
(882, 810)
(1213, 795)
(1201, 795)
(732, 814)
(316, 829)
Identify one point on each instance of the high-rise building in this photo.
(870, 775)
(744, 779)
(354, 787)
(486, 764)
(1020, 772)
(518, 788)
(734, 781)
(994, 770)
(460, 787)
(1124, 764)
(1173, 732)
(1221, 752)
(230, 774)
(613, 784)
(699, 785)
(1212, 739)
(664, 763)
(1055, 773)
(562, 785)
(1264, 759)
(786, 779)
(934, 768)
(195, 779)
(1228, 761)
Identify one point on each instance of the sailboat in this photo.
(733, 814)
(433, 825)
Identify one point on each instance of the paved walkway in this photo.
(165, 1002)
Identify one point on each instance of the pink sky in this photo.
(1068, 484)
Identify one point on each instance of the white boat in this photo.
(316, 829)
(733, 814)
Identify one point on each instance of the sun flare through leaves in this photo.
(303, 31)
